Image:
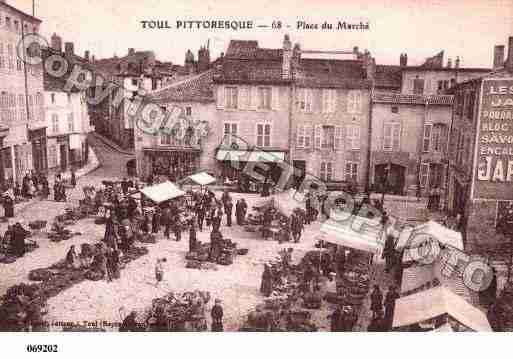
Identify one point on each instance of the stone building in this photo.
(67, 115)
(411, 118)
(136, 73)
(22, 122)
(331, 112)
(253, 99)
(481, 152)
(185, 149)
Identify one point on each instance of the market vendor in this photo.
(215, 245)
(72, 260)
(266, 287)
(192, 235)
(217, 316)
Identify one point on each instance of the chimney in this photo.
(86, 55)
(287, 57)
(498, 57)
(93, 59)
(449, 63)
(509, 62)
(403, 60)
(56, 42)
(131, 51)
(457, 63)
(69, 49)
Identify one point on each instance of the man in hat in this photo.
(217, 316)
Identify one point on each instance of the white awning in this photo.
(442, 234)
(356, 232)
(433, 302)
(162, 192)
(250, 156)
(202, 178)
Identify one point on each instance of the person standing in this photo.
(145, 225)
(389, 253)
(192, 235)
(215, 245)
(200, 213)
(228, 207)
(376, 302)
(155, 221)
(390, 299)
(73, 179)
(217, 316)
(266, 287)
(166, 218)
(8, 206)
(335, 319)
(19, 234)
(159, 271)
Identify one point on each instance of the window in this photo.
(264, 98)
(459, 103)
(52, 156)
(135, 82)
(353, 137)
(418, 86)
(2, 62)
(19, 65)
(354, 102)
(305, 99)
(230, 129)
(10, 54)
(188, 111)
(440, 85)
(326, 172)
(263, 135)
(231, 97)
(392, 137)
(351, 171)
(16, 26)
(8, 22)
(395, 109)
(55, 123)
(424, 175)
(438, 137)
(329, 100)
(304, 133)
(470, 106)
(426, 140)
(69, 98)
(52, 98)
(71, 126)
(328, 137)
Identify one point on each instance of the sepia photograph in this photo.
(209, 166)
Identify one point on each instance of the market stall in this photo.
(439, 306)
(430, 229)
(197, 181)
(162, 192)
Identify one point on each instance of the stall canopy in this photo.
(431, 303)
(201, 178)
(443, 235)
(250, 156)
(162, 192)
(355, 232)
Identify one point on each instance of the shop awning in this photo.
(428, 304)
(357, 232)
(201, 178)
(162, 192)
(250, 156)
(442, 234)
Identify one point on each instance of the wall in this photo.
(339, 117)
(431, 78)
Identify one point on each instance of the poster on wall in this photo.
(493, 177)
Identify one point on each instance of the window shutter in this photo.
(275, 98)
(396, 137)
(220, 97)
(324, 96)
(356, 140)
(300, 136)
(351, 102)
(243, 98)
(338, 138)
(253, 98)
(387, 137)
(333, 100)
(308, 136)
(318, 135)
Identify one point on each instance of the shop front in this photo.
(235, 169)
(390, 170)
(175, 164)
(37, 138)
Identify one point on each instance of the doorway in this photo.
(64, 157)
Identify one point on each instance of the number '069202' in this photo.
(41, 348)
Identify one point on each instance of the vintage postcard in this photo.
(310, 166)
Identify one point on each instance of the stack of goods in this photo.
(22, 308)
(252, 221)
(263, 319)
(59, 233)
(145, 237)
(199, 259)
(176, 313)
(37, 225)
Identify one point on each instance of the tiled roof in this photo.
(130, 65)
(406, 99)
(245, 62)
(30, 17)
(57, 84)
(331, 73)
(198, 88)
(388, 77)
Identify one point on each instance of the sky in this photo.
(465, 28)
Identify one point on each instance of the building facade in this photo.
(185, 143)
(411, 122)
(481, 153)
(23, 146)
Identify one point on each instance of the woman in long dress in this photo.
(266, 287)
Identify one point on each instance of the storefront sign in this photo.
(493, 172)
